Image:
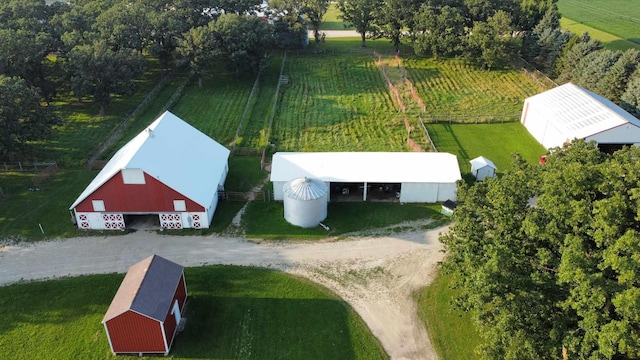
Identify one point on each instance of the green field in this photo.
(452, 331)
(331, 20)
(610, 41)
(617, 17)
(494, 141)
(232, 312)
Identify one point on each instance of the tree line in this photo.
(94, 48)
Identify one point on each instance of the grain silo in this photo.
(305, 202)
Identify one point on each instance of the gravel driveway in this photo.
(377, 275)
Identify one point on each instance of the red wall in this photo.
(131, 332)
(151, 197)
(170, 320)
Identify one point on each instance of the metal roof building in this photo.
(145, 314)
(170, 170)
(365, 176)
(569, 112)
(481, 167)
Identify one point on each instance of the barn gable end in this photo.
(143, 316)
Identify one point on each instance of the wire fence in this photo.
(30, 167)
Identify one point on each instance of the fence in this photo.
(44, 174)
(244, 114)
(472, 119)
(274, 106)
(264, 195)
(32, 167)
(115, 135)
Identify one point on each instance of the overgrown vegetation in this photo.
(233, 312)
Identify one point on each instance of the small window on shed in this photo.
(179, 205)
(98, 205)
(133, 176)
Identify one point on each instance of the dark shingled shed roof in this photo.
(148, 289)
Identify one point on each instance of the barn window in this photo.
(132, 176)
(179, 205)
(98, 205)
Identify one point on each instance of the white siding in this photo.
(624, 134)
(419, 192)
(278, 194)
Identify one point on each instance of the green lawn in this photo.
(617, 17)
(331, 20)
(233, 313)
(265, 220)
(494, 141)
(452, 331)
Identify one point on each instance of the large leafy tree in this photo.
(197, 46)
(548, 256)
(314, 11)
(490, 44)
(361, 14)
(244, 42)
(98, 71)
(22, 117)
(441, 30)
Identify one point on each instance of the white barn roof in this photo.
(573, 112)
(383, 167)
(480, 162)
(175, 153)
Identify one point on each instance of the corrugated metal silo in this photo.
(305, 202)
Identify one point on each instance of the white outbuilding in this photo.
(481, 167)
(568, 112)
(408, 177)
(305, 202)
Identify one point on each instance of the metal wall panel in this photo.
(134, 333)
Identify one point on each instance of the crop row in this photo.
(337, 103)
(450, 87)
(618, 17)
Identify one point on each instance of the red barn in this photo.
(170, 172)
(145, 313)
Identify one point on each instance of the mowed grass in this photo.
(494, 141)
(265, 220)
(233, 313)
(451, 330)
(331, 20)
(451, 87)
(617, 17)
(610, 41)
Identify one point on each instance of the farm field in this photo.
(331, 20)
(617, 17)
(610, 41)
(494, 141)
(233, 313)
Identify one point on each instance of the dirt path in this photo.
(377, 275)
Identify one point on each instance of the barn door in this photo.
(176, 312)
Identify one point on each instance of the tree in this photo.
(490, 44)
(441, 31)
(99, 71)
(314, 11)
(197, 46)
(290, 27)
(593, 67)
(614, 83)
(361, 14)
(630, 100)
(22, 117)
(125, 25)
(394, 18)
(583, 46)
(547, 256)
(244, 42)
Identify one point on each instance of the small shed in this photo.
(481, 167)
(305, 202)
(146, 312)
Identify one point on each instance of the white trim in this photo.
(108, 336)
(179, 205)
(164, 337)
(176, 312)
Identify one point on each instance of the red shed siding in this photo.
(170, 320)
(134, 333)
(151, 197)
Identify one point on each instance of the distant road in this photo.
(336, 33)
